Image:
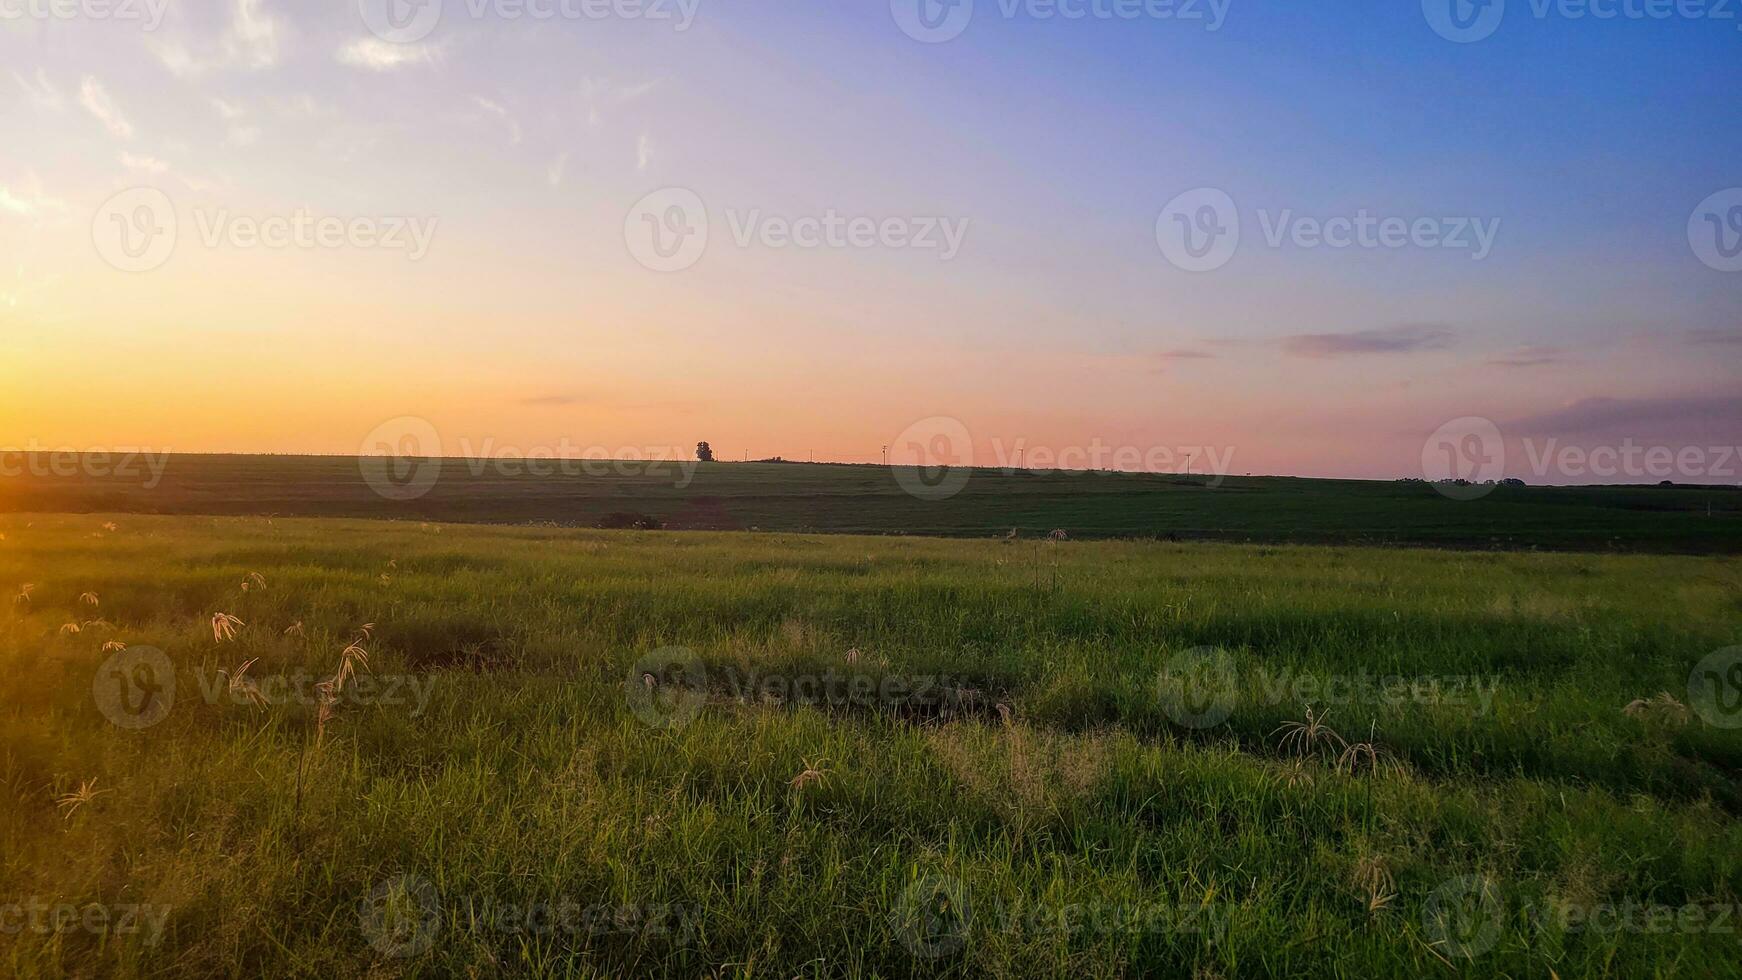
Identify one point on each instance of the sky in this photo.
(1308, 239)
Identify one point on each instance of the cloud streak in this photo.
(374, 54)
(1669, 420)
(1531, 356)
(1393, 340)
(95, 98)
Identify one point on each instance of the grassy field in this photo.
(563, 752)
(874, 500)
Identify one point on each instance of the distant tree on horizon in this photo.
(704, 452)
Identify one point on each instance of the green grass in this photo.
(870, 500)
(528, 778)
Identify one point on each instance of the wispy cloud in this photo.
(1716, 336)
(643, 152)
(41, 92)
(1675, 420)
(549, 401)
(1185, 355)
(501, 112)
(1530, 356)
(253, 38)
(374, 54)
(554, 173)
(26, 198)
(95, 98)
(1392, 340)
(253, 41)
(148, 164)
(600, 94)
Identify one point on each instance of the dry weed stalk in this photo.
(1664, 709)
(224, 627)
(330, 691)
(242, 685)
(1305, 737)
(1374, 881)
(70, 802)
(90, 599)
(814, 773)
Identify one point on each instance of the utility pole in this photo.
(885, 455)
